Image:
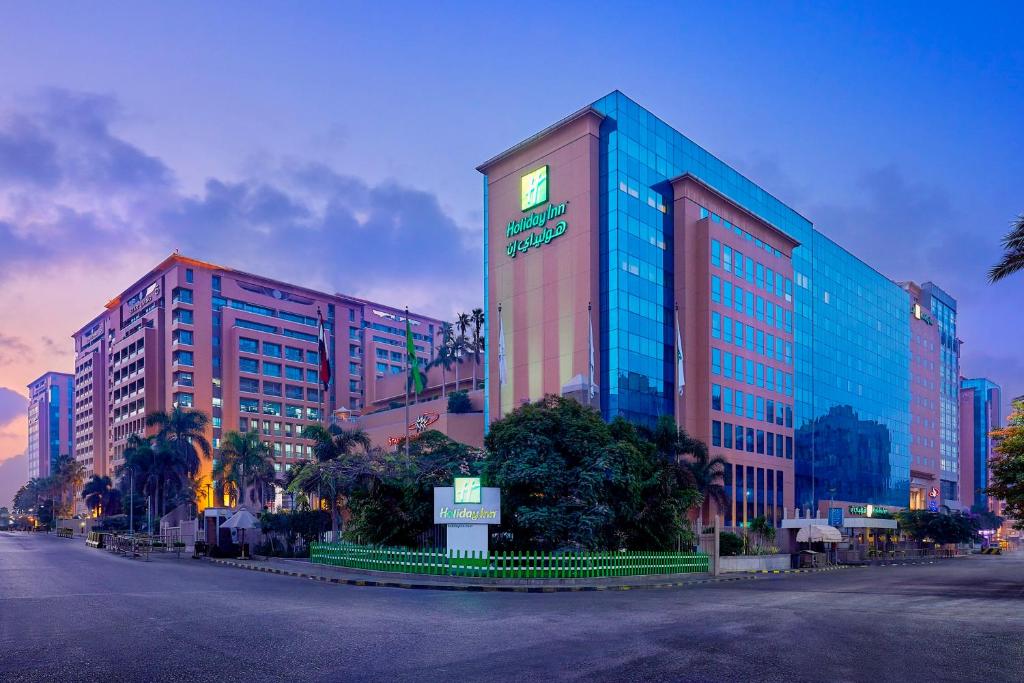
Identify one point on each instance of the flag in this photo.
(680, 377)
(502, 371)
(410, 352)
(325, 361)
(590, 322)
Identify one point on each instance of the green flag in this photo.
(410, 350)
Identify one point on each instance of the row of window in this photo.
(252, 386)
(274, 350)
(724, 399)
(750, 440)
(759, 309)
(252, 405)
(732, 261)
(745, 301)
(252, 366)
(752, 492)
(737, 230)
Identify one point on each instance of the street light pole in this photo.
(131, 502)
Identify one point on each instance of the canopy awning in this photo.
(818, 533)
(243, 519)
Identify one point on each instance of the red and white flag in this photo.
(325, 361)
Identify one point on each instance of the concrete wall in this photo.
(745, 563)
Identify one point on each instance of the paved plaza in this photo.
(71, 613)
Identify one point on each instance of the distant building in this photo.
(981, 401)
(50, 422)
(240, 347)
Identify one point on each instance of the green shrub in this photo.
(729, 544)
(458, 402)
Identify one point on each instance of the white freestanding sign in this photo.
(467, 509)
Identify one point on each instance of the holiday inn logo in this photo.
(534, 188)
(467, 490)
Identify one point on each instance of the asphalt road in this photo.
(69, 613)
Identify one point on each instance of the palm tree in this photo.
(461, 346)
(182, 434)
(1013, 258)
(244, 463)
(763, 529)
(96, 492)
(444, 358)
(477, 317)
(69, 475)
(330, 443)
(708, 472)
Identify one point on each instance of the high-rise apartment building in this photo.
(50, 422)
(240, 347)
(980, 413)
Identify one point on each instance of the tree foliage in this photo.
(1006, 469)
(570, 481)
(1013, 252)
(939, 527)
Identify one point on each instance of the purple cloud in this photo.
(12, 405)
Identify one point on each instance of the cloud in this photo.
(98, 194)
(54, 348)
(12, 405)
(13, 473)
(13, 350)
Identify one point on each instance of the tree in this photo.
(140, 469)
(461, 345)
(1006, 468)
(1013, 256)
(571, 481)
(764, 530)
(458, 402)
(69, 474)
(938, 527)
(101, 497)
(330, 443)
(333, 481)
(444, 357)
(477, 318)
(708, 472)
(245, 467)
(181, 433)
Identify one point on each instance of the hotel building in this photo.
(240, 347)
(50, 422)
(795, 354)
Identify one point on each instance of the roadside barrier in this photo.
(65, 533)
(507, 565)
(991, 550)
(95, 539)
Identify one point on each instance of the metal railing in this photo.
(508, 565)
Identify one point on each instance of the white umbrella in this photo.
(817, 532)
(241, 520)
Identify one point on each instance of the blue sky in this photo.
(239, 131)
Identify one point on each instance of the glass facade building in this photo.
(985, 399)
(627, 177)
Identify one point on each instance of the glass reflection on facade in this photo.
(986, 400)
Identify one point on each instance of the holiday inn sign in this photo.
(534, 192)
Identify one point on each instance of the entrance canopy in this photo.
(819, 533)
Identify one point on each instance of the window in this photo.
(313, 395)
(272, 388)
(716, 433)
(739, 368)
(760, 441)
(247, 345)
(769, 280)
(716, 397)
(769, 444)
(760, 409)
(716, 325)
(727, 294)
(716, 362)
(760, 374)
(750, 372)
(292, 372)
(248, 365)
(716, 289)
(182, 399)
(789, 448)
(749, 300)
(313, 357)
(382, 367)
(778, 445)
(183, 379)
(750, 337)
(182, 315)
(249, 385)
(750, 440)
(770, 410)
(293, 392)
(727, 329)
(770, 380)
(727, 365)
(739, 437)
(739, 299)
(727, 399)
(215, 283)
(716, 253)
(182, 358)
(188, 275)
(760, 342)
(271, 408)
(182, 337)
(272, 350)
(750, 406)
(739, 334)
(181, 295)
(760, 276)
(249, 405)
(750, 270)
(272, 369)
(312, 414)
(353, 369)
(727, 435)
(292, 353)
(312, 377)
(294, 412)
(353, 385)
(727, 258)
(739, 404)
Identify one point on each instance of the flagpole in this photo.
(501, 353)
(408, 376)
(323, 334)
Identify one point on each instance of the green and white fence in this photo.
(507, 565)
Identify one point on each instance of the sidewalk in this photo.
(355, 577)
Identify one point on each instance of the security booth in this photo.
(211, 531)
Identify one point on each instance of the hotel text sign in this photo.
(540, 226)
(448, 511)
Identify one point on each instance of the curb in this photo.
(374, 583)
(799, 571)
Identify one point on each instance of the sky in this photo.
(288, 139)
